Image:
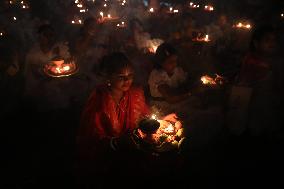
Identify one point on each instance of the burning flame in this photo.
(242, 25)
(154, 116)
(202, 39)
(208, 80)
(193, 6)
(208, 8)
(169, 129)
(151, 10)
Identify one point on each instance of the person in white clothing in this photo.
(167, 81)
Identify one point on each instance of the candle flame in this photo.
(242, 25)
(66, 68)
(102, 14)
(154, 117)
(208, 80)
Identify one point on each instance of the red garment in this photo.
(102, 118)
(254, 69)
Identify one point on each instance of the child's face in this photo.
(123, 80)
(170, 64)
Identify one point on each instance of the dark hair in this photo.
(113, 63)
(258, 34)
(164, 51)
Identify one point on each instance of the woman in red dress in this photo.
(111, 114)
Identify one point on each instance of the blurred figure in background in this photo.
(262, 70)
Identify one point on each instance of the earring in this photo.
(108, 83)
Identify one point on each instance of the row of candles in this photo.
(22, 4)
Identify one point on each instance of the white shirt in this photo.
(160, 77)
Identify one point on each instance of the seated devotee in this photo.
(139, 38)
(110, 116)
(168, 82)
(89, 46)
(262, 71)
(40, 90)
(44, 50)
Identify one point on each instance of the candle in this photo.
(154, 117)
(102, 14)
(66, 68)
(206, 80)
(208, 8)
(151, 9)
(241, 25)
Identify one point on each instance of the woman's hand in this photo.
(171, 118)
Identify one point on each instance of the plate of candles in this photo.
(58, 68)
(158, 136)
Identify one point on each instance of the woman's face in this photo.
(170, 64)
(122, 80)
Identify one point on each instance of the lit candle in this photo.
(241, 25)
(58, 70)
(208, 8)
(105, 5)
(206, 37)
(80, 21)
(175, 11)
(154, 117)
(109, 16)
(151, 9)
(14, 18)
(102, 14)
(66, 68)
(73, 22)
